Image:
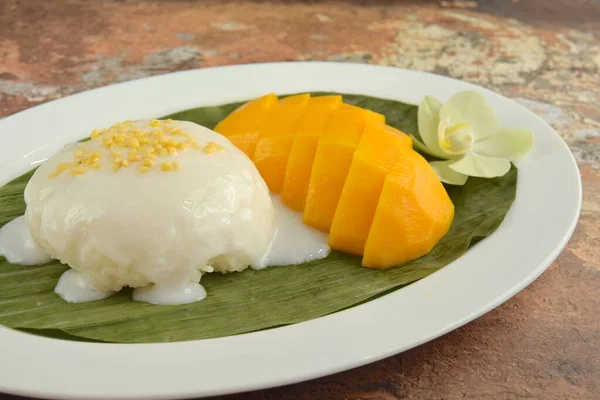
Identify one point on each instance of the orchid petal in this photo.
(428, 119)
(471, 108)
(474, 164)
(447, 174)
(424, 149)
(508, 143)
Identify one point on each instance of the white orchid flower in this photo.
(465, 133)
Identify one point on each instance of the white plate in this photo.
(535, 231)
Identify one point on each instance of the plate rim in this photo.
(260, 382)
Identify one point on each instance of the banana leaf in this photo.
(250, 300)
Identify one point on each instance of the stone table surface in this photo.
(545, 54)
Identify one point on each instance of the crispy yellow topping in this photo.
(134, 143)
(212, 147)
(78, 170)
(63, 166)
(134, 157)
(166, 166)
(127, 143)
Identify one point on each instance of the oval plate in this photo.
(534, 232)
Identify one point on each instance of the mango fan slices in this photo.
(352, 175)
(372, 161)
(308, 131)
(332, 162)
(275, 140)
(243, 125)
(413, 213)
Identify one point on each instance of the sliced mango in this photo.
(332, 162)
(413, 213)
(372, 160)
(243, 125)
(275, 139)
(308, 131)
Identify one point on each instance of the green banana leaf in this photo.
(250, 300)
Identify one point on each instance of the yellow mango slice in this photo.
(372, 160)
(308, 131)
(275, 139)
(332, 162)
(243, 125)
(413, 213)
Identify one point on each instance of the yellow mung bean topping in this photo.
(154, 145)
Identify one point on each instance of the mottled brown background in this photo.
(545, 54)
